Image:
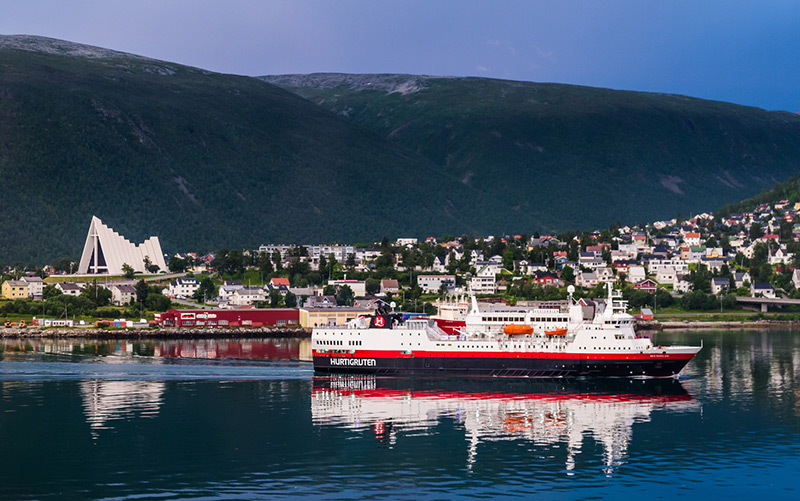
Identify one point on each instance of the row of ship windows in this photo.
(338, 342)
(522, 319)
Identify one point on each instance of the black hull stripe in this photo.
(499, 367)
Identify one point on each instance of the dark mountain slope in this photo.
(203, 160)
(568, 156)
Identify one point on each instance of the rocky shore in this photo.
(156, 333)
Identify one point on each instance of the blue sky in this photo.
(739, 51)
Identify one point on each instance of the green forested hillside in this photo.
(568, 156)
(206, 160)
(202, 160)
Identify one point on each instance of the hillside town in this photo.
(748, 254)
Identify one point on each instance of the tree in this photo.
(149, 266)
(49, 291)
(177, 265)
(141, 291)
(128, 270)
(344, 295)
(207, 290)
(567, 274)
(99, 295)
(290, 300)
(264, 263)
(275, 299)
(756, 232)
(372, 286)
(276, 259)
(63, 265)
(350, 262)
(158, 302)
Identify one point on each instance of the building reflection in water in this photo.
(545, 413)
(106, 401)
(276, 349)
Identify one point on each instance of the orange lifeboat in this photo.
(556, 332)
(517, 330)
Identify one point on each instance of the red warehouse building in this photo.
(229, 318)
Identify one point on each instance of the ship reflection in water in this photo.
(546, 413)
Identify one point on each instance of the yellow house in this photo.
(15, 289)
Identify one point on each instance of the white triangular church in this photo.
(106, 251)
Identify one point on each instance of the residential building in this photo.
(35, 286)
(666, 275)
(646, 285)
(357, 286)
(70, 288)
(320, 302)
(587, 279)
(720, 284)
(183, 287)
(431, 284)
(15, 289)
(636, 274)
(389, 286)
(483, 284)
(122, 294)
(681, 284)
(543, 278)
(606, 275)
(762, 289)
(740, 277)
(247, 296)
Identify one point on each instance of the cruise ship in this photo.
(589, 341)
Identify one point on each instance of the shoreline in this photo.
(277, 333)
(719, 324)
(158, 333)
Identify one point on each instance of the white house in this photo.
(483, 284)
(587, 279)
(762, 289)
(636, 274)
(358, 287)
(606, 275)
(247, 296)
(70, 288)
(184, 287)
(681, 284)
(122, 294)
(720, 284)
(432, 283)
(666, 275)
(35, 286)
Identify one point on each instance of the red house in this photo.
(546, 278)
(646, 285)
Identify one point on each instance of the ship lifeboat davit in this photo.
(556, 332)
(517, 330)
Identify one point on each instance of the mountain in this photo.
(570, 157)
(203, 160)
(206, 160)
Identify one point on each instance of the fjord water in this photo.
(245, 419)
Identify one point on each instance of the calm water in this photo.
(247, 419)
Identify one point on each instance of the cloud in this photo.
(493, 43)
(481, 68)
